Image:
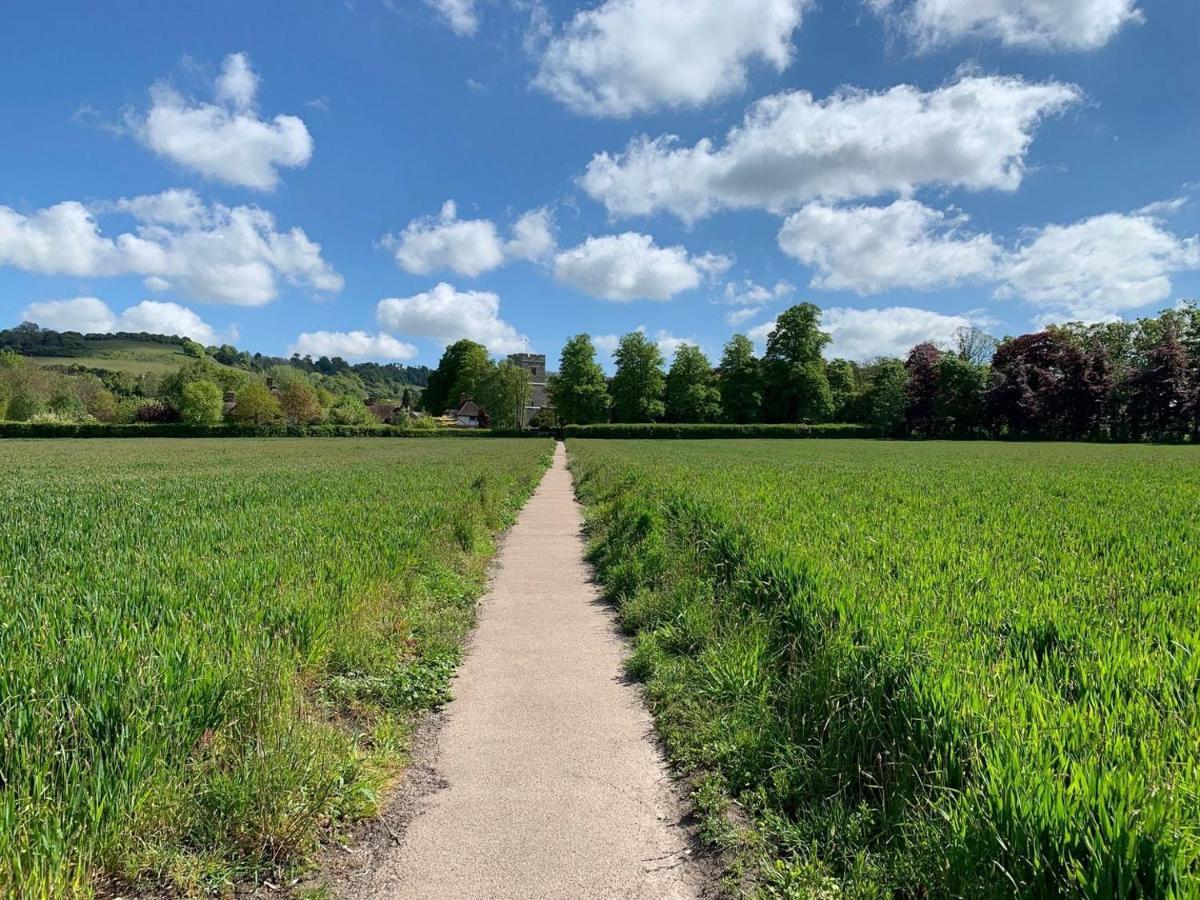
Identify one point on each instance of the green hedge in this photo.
(179, 430)
(662, 430)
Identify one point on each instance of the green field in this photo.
(922, 669)
(211, 650)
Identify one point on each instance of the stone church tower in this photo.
(535, 365)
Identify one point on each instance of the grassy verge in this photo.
(213, 651)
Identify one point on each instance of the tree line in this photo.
(1114, 381)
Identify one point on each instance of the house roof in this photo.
(469, 408)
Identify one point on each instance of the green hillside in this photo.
(132, 356)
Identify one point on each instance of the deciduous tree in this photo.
(796, 388)
(201, 403)
(579, 392)
(637, 388)
(691, 394)
(740, 382)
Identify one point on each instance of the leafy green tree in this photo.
(505, 393)
(886, 399)
(692, 394)
(579, 391)
(843, 389)
(463, 367)
(741, 382)
(201, 403)
(637, 388)
(796, 388)
(256, 405)
(958, 405)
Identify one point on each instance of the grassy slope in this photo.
(134, 357)
(924, 669)
(212, 649)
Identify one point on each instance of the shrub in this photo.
(156, 411)
(715, 430)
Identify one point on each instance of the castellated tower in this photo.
(535, 365)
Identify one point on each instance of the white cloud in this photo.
(1096, 268)
(864, 333)
(225, 140)
(469, 247)
(87, 315)
(869, 249)
(352, 345)
(90, 315)
(791, 148)
(217, 253)
(749, 298)
(445, 315)
(860, 334)
(630, 266)
(606, 343)
(156, 317)
(460, 15)
(533, 236)
(666, 342)
(628, 56)
(1036, 24)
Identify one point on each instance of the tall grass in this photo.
(209, 651)
(950, 670)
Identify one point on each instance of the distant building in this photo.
(539, 396)
(387, 413)
(469, 414)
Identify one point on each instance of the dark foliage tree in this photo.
(1160, 397)
(740, 383)
(1047, 385)
(579, 391)
(795, 387)
(691, 394)
(922, 389)
(637, 388)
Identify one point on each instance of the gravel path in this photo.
(552, 784)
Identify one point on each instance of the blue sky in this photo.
(280, 174)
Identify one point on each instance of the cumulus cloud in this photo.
(225, 140)
(973, 133)
(90, 315)
(749, 298)
(1094, 269)
(460, 15)
(445, 315)
(629, 266)
(352, 345)
(469, 247)
(1034, 24)
(630, 56)
(216, 253)
(666, 342)
(869, 249)
(860, 334)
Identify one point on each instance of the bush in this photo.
(201, 404)
(718, 431)
(156, 412)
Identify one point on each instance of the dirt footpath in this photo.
(548, 779)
